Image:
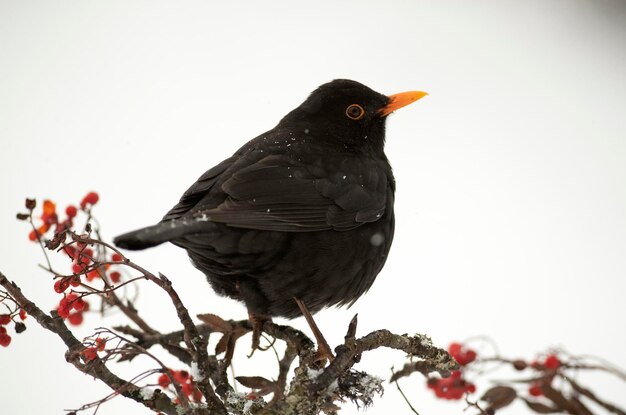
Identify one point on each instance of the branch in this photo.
(95, 367)
(419, 346)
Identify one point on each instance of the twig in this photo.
(402, 393)
(39, 240)
(423, 366)
(587, 393)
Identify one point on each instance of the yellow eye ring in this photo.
(355, 112)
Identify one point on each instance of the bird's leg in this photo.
(257, 321)
(323, 349)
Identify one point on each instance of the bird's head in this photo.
(349, 113)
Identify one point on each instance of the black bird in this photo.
(301, 215)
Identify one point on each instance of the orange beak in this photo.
(400, 100)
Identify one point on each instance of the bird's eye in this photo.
(355, 112)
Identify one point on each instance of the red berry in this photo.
(32, 236)
(23, 314)
(187, 388)
(461, 354)
(470, 356)
(79, 304)
(61, 285)
(452, 387)
(64, 312)
(535, 390)
(197, 395)
(75, 281)
(43, 229)
(91, 275)
(116, 257)
(71, 211)
(552, 362)
(164, 381)
(64, 308)
(90, 353)
(5, 318)
(5, 340)
(65, 305)
(77, 269)
(90, 198)
(70, 251)
(50, 219)
(3, 329)
(454, 348)
(115, 276)
(75, 319)
(100, 344)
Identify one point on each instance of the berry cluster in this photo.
(71, 307)
(549, 365)
(453, 387)
(184, 379)
(50, 218)
(91, 352)
(84, 264)
(84, 261)
(6, 319)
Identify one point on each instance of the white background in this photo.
(511, 201)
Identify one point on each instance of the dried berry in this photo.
(519, 364)
(20, 327)
(30, 204)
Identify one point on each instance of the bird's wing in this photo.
(199, 189)
(278, 194)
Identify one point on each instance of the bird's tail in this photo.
(161, 232)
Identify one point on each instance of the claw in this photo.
(257, 322)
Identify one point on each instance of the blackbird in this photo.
(301, 215)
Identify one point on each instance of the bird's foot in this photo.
(323, 349)
(257, 321)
